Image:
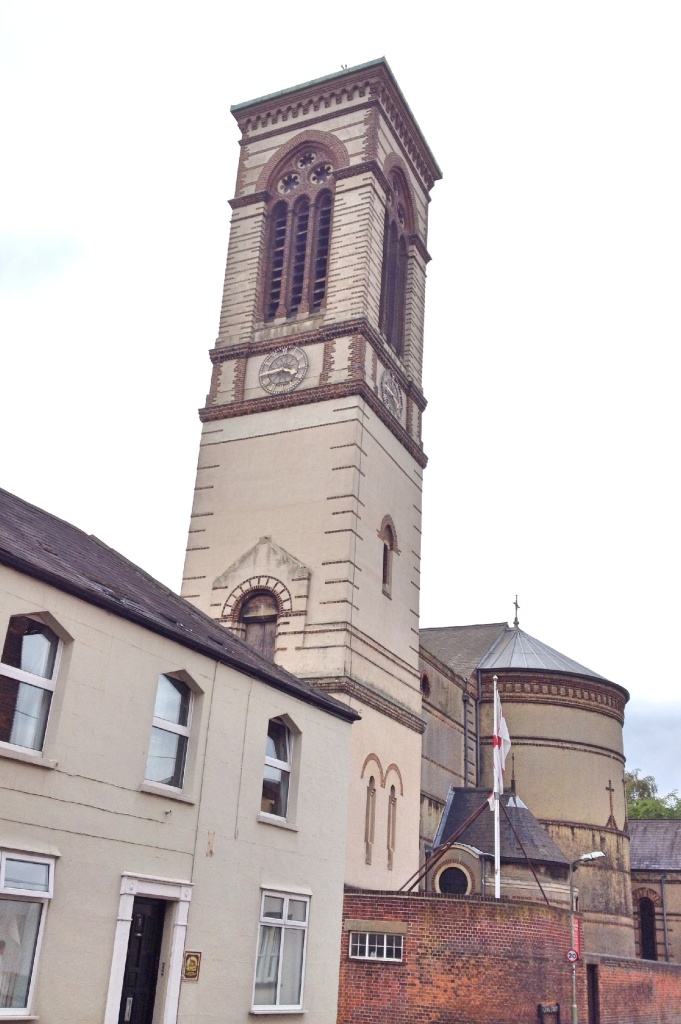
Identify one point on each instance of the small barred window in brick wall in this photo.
(375, 946)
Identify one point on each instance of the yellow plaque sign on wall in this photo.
(192, 966)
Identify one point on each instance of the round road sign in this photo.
(572, 955)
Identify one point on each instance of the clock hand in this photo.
(279, 369)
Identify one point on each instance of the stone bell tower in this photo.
(306, 524)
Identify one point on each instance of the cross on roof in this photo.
(516, 606)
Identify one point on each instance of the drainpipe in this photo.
(477, 729)
(663, 879)
(465, 699)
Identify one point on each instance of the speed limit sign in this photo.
(572, 955)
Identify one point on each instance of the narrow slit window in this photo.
(278, 249)
(370, 820)
(321, 261)
(301, 218)
(392, 826)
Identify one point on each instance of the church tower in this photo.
(306, 523)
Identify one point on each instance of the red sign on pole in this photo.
(578, 937)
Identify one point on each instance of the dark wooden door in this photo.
(141, 964)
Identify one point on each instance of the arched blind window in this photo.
(395, 256)
(259, 617)
(299, 236)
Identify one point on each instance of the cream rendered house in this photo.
(172, 812)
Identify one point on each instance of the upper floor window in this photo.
(278, 765)
(299, 235)
(397, 228)
(26, 884)
(27, 679)
(258, 616)
(170, 733)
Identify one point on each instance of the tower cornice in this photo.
(347, 88)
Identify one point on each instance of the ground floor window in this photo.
(25, 889)
(280, 962)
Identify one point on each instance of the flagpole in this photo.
(497, 774)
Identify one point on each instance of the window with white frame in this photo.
(280, 962)
(25, 887)
(170, 733)
(376, 946)
(28, 672)
(277, 773)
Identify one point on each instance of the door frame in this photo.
(172, 891)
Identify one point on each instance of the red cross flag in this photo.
(501, 745)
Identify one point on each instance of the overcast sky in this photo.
(553, 318)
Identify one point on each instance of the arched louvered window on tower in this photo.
(299, 237)
(394, 271)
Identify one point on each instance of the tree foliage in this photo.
(643, 801)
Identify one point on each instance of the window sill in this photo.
(272, 819)
(158, 789)
(28, 757)
(259, 1010)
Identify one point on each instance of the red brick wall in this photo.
(638, 991)
(476, 960)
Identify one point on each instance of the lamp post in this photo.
(585, 858)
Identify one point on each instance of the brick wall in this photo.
(475, 960)
(638, 991)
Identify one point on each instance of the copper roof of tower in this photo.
(517, 649)
(497, 645)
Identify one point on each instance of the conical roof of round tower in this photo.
(514, 648)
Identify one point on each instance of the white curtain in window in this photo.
(19, 924)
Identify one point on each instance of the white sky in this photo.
(553, 307)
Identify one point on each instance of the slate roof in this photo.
(462, 802)
(461, 648)
(655, 845)
(49, 549)
(497, 645)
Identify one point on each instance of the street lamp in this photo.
(585, 858)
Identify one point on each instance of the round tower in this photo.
(565, 723)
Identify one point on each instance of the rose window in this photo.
(321, 174)
(289, 182)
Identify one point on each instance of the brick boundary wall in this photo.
(476, 960)
(637, 991)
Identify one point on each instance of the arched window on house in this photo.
(392, 826)
(396, 231)
(299, 235)
(646, 911)
(258, 616)
(388, 535)
(370, 820)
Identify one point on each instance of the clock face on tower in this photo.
(283, 370)
(391, 393)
